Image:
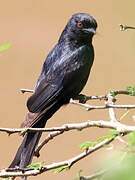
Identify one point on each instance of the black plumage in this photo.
(63, 76)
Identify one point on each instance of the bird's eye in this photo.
(80, 25)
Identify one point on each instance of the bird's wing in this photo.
(49, 88)
(56, 82)
(45, 94)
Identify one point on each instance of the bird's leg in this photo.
(82, 98)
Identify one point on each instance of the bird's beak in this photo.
(90, 30)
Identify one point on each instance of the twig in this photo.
(111, 101)
(78, 126)
(121, 128)
(27, 90)
(45, 141)
(89, 107)
(122, 141)
(115, 92)
(68, 163)
(112, 124)
(125, 27)
(24, 130)
(105, 97)
(66, 127)
(95, 175)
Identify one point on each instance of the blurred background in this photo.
(33, 27)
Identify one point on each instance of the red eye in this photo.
(80, 25)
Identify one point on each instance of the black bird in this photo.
(63, 76)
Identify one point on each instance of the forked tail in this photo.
(26, 150)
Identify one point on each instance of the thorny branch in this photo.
(78, 126)
(14, 172)
(122, 130)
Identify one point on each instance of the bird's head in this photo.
(81, 27)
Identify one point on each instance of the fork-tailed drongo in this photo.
(63, 76)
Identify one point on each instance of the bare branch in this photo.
(125, 27)
(24, 130)
(89, 107)
(66, 127)
(68, 163)
(95, 175)
(112, 124)
(27, 90)
(104, 97)
(111, 101)
(121, 128)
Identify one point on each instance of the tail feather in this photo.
(17, 158)
(26, 150)
(29, 148)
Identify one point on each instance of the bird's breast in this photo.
(78, 70)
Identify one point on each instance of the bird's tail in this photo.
(26, 150)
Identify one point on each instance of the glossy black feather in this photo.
(63, 76)
(66, 77)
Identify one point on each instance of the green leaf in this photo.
(131, 139)
(87, 144)
(61, 169)
(5, 47)
(23, 130)
(105, 137)
(96, 124)
(78, 174)
(113, 132)
(36, 166)
(112, 93)
(131, 90)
